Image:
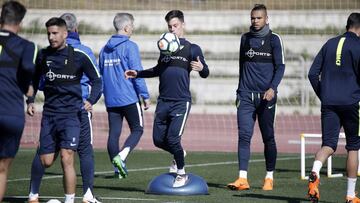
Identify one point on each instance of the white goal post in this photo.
(306, 136)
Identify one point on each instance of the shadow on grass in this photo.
(276, 198)
(123, 189)
(14, 200)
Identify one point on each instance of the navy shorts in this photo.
(333, 117)
(59, 132)
(11, 129)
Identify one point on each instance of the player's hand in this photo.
(196, 65)
(146, 104)
(30, 110)
(269, 94)
(88, 106)
(130, 74)
(30, 91)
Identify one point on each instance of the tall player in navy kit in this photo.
(17, 61)
(262, 66)
(63, 67)
(85, 149)
(335, 78)
(174, 101)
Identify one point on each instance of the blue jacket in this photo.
(334, 74)
(17, 58)
(73, 39)
(117, 56)
(261, 63)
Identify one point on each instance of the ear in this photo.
(267, 19)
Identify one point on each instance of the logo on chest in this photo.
(51, 76)
(168, 58)
(251, 53)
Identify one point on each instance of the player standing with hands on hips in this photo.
(335, 78)
(17, 65)
(63, 66)
(174, 101)
(262, 67)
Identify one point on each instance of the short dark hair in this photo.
(353, 21)
(55, 21)
(12, 13)
(174, 14)
(258, 7)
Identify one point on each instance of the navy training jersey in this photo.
(261, 62)
(174, 72)
(334, 74)
(62, 70)
(17, 61)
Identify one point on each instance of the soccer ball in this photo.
(53, 201)
(168, 43)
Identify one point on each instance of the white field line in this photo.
(103, 198)
(166, 167)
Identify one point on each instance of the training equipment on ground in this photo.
(168, 43)
(53, 201)
(163, 185)
(329, 160)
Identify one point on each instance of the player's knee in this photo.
(332, 146)
(67, 157)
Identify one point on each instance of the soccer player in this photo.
(334, 76)
(17, 61)
(121, 95)
(85, 149)
(174, 101)
(261, 64)
(63, 67)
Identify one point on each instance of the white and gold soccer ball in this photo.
(168, 43)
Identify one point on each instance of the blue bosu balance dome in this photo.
(162, 185)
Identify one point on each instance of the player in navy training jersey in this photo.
(85, 149)
(63, 67)
(174, 101)
(335, 78)
(261, 65)
(17, 60)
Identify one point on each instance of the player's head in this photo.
(259, 17)
(175, 21)
(353, 23)
(124, 23)
(56, 32)
(12, 13)
(71, 21)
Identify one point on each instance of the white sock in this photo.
(351, 183)
(269, 174)
(69, 198)
(33, 196)
(317, 167)
(181, 171)
(88, 195)
(124, 153)
(243, 174)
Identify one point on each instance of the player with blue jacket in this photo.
(261, 68)
(122, 97)
(17, 65)
(85, 148)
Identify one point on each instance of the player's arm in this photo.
(134, 63)
(241, 54)
(91, 71)
(279, 66)
(148, 73)
(27, 67)
(315, 71)
(198, 61)
(35, 83)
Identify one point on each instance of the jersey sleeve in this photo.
(197, 52)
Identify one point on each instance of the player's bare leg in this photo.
(4, 169)
(69, 178)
